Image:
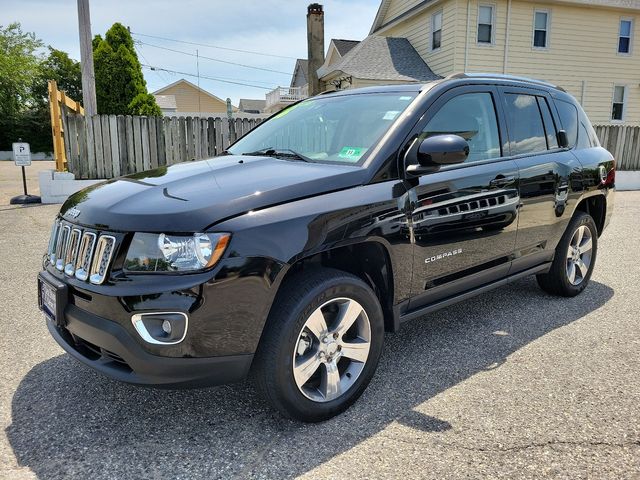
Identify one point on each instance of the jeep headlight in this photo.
(152, 252)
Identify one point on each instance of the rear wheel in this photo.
(574, 259)
(322, 345)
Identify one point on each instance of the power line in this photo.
(213, 46)
(157, 72)
(151, 67)
(213, 59)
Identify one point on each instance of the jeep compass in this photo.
(288, 257)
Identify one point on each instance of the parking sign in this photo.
(22, 154)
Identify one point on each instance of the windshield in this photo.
(339, 129)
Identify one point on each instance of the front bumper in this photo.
(107, 347)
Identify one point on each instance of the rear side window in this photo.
(526, 130)
(583, 138)
(587, 137)
(473, 117)
(549, 125)
(569, 118)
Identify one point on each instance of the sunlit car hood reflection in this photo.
(194, 195)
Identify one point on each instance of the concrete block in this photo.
(63, 176)
(45, 174)
(55, 187)
(627, 180)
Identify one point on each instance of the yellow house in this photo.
(183, 98)
(589, 47)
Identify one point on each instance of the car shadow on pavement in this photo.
(70, 422)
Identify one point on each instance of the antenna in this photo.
(198, 73)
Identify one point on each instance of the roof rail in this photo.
(502, 76)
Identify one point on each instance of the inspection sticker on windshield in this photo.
(390, 115)
(352, 154)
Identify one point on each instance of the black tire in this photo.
(273, 365)
(557, 282)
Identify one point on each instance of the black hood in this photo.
(192, 196)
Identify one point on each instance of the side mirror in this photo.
(563, 140)
(439, 150)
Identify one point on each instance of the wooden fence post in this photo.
(56, 126)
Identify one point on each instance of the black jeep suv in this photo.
(338, 219)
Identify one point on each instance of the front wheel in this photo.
(574, 259)
(321, 345)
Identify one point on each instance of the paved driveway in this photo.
(512, 384)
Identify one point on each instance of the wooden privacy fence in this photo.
(623, 142)
(107, 146)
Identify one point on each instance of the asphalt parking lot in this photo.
(512, 384)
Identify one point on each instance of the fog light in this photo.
(161, 328)
(166, 327)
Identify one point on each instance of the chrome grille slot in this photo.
(102, 258)
(72, 252)
(85, 252)
(51, 252)
(61, 246)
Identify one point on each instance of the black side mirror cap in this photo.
(432, 152)
(563, 139)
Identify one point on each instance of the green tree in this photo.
(65, 71)
(145, 104)
(19, 64)
(120, 84)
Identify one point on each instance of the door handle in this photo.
(501, 181)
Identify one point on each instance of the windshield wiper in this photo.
(281, 152)
(292, 154)
(262, 151)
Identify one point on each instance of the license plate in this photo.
(52, 296)
(48, 302)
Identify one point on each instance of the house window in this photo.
(485, 24)
(541, 29)
(619, 95)
(436, 29)
(624, 39)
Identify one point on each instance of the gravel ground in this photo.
(512, 384)
(11, 178)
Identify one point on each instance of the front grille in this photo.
(82, 253)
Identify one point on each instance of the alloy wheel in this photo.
(332, 349)
(579, 255)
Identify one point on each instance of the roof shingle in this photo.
(251, 104)
(383, 58)
(344, 46)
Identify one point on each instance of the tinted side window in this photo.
(583, 138)
(569, 118)
(590, 131)
(549, 125)
(473, 117)
(526, 131)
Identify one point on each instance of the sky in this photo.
(274, 27)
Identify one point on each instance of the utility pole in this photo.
(86, 59)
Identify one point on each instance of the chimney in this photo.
(315, 47)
